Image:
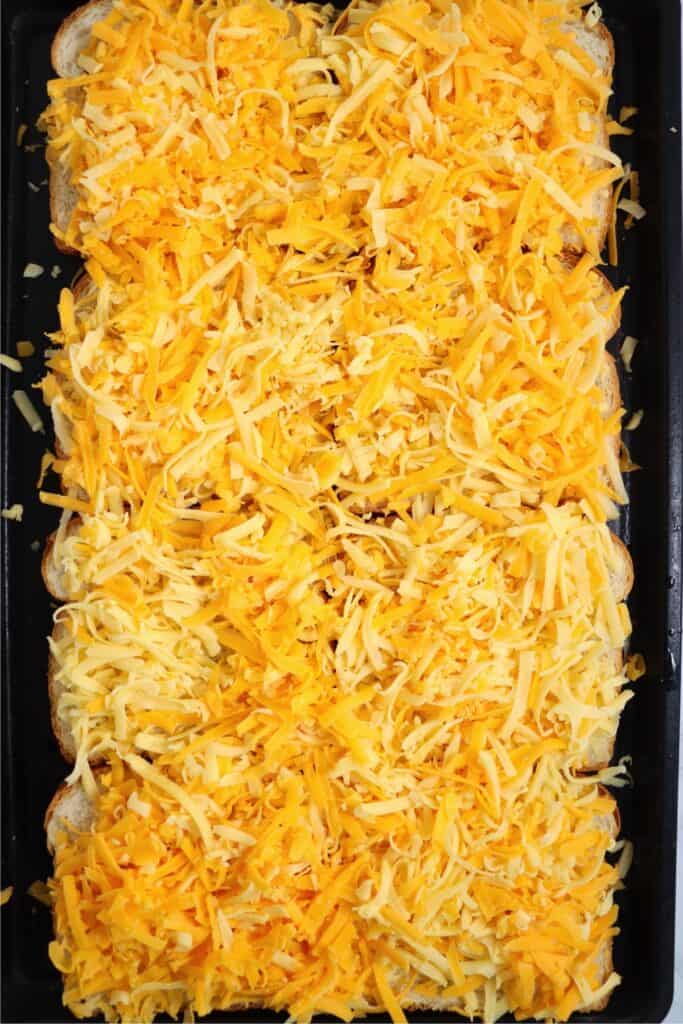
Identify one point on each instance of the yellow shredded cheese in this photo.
(40, 892)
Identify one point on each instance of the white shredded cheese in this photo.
(593, 15)
(32, 270)
(634, 209)
(627, 351)
(14, 512)
(28, 411)
(10, 363)
(139, 806)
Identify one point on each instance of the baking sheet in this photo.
(650, 265)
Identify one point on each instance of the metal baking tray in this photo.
(648, 66)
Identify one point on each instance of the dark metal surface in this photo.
(647, 76)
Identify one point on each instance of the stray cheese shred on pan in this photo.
(339, 659)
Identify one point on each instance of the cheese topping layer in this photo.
(338, 440)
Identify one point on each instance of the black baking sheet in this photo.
(647, 39)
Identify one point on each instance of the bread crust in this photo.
(622, 585)
(62, 196)
(65, 742)
(603, 198)
(66, 793)
(52, 809)
(629, 572)
(46, 569)
(75, 25)
(66, 46)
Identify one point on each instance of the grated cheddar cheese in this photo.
(437, 616)
(339, 661)
(324, 907)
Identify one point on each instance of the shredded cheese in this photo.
(14, 512)
(341, 609)
(40, 892)
(634, 209)
(32, 270)
(10, 363)
(28, 410)
(627, 351)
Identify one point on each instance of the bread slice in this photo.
(72, 38)
(603, 960)
(63, 199)
(610, 472)
(70, 810)
(56, 689)
(622, 578)
(598, 43)
(74, 35)
(53, 573)
(601, 746)
(598, 754)
(610, 824)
